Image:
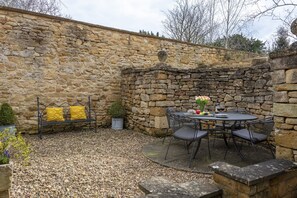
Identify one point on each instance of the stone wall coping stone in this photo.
(10, 9)
(285, 62)
(281, 54)
(253, 174)
(169, 68)
(161, 187)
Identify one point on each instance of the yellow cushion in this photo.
(77, 113)
(54, 114)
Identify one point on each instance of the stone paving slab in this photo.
(178, 156)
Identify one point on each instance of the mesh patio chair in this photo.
(169, 112)
(256, 132)
(184, 132)
(223, 128)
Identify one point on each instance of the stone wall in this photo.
(270, 179)
(60, 59)
(147, 92)
(285, 104)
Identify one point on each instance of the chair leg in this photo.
(226, 153)
(168, 148)
(198, 146)
(270, 147)
(192, 156)
(209, 155)
(236, 146)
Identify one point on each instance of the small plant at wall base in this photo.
(7, 116)
(117, 112)
(12, 146)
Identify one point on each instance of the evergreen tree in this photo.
(282, 41)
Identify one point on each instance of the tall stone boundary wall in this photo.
(147, 92)
(285, 104)
(61, 59)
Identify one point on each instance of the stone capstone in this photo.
(160, 187)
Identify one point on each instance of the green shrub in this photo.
(116, 110)
(7, 116)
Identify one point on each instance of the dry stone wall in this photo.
(285, 104)
(147, 92)
(60, 59)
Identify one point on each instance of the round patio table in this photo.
(228, 117)
(225, 117)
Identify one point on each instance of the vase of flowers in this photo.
(202, 101)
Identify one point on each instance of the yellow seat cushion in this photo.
(54, 114)
(77, 113)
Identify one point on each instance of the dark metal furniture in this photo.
(182, 131)
(42, 120)
(256, 132)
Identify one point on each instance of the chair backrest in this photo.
(263, 126)
(169, 115)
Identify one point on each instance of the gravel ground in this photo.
(86, 164)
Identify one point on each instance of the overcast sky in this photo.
(135, 15)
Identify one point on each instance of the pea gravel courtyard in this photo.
(87, 164)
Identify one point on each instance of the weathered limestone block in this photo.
(292, 94)
(284, 153)
(286, 138)
(285, 110)
(228, 98)
(285, 87)
(284, 126)
(143, 104)
(291, 121)
(279, 119)
(291, 76)
(281, 96)
(293, 100)
(161, 122)
(158, 111)
(164, 103)
(238, 83)
(237, 98)
(161, 76)
(260, 83)
(266, 107)
(145, 97)
(254, 106)
(282, 63)
(279, 77)
(157, 97)
(5, 180)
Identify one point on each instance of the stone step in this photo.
(161, 188)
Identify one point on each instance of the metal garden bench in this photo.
(66, 114)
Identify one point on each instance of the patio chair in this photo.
(256, 132)
(224, 128)
(169, 112)
(182, 131)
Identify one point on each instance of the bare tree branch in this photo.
(190, 21)
(52, 7)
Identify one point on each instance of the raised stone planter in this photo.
(5, 180)
(273, 178)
